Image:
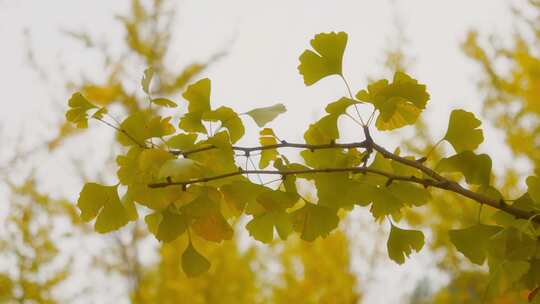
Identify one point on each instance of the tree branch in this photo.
(283, 144)
(436, 180)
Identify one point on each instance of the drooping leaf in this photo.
(327, 58)
(198, 96)
(229, 120)
(402, 242)
(533, 188)
(78, 108)
(473, 241)
(476, 168)
(182, 142)
(463, 132)
(193, 263)
(140, 126)
(324, 131)
(164, 102)
(171, 226)
(340, 106)
(100, 201)
(100, 113)
(399, 102)
(147, 78)
(262, 116)
(261, 227)
(180, 169)
(241, 193)
(312, 221)
(267, 138)
(213, 227)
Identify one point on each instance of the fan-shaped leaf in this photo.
(327, 60)
(193, 263)
(402, 242)
(262, 116)
(463, 133)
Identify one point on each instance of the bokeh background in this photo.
(249, 49)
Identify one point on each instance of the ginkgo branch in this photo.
(283, 144)
(436, 180)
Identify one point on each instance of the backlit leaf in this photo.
(313, 221)
(267, 138)
(399, 102)
(402, 242)
(327, 58)
(261, 227)
(171, 226)
(213, 227)
(473, 241)
(147, 78)
(262, 116)
(463, 132)
(100, 201)
(476, 168)
(164, 102)
(193, 263)
(533, 188)
(180, 169)
(229, 120)
(78, 108)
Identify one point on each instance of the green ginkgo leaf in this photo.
(182, 141)
(463, 132)
(476, 168)
(103, 202)
(327, 58)
(198, 96)
(140, 126)
(147, 78)
(399, 102)
(180, 169)
(164, 102)
(267, 138)
(193, 263)
(262, 116)
(171, 226)
(78, 110)
(473, 241)
(340, 106)
(313, 221)
(533, 188)
(402, 242)
(261, 227)
(229, 120)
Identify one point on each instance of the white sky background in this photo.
(265, 39)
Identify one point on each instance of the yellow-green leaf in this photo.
(79, 106)
(198, 96)
(327, 58)
(100, 201)
(533, 188)
(193, 263)
(267, 138)
(463, 132)
(312, 221)
(164, 102)
(180, 169)
(402, 242)
(473, 241)
(229, 120)
(261, 227)
(147, 78)
(399, 102)
(182, 142)
(475, 167)
(171, 226)
(262, 116)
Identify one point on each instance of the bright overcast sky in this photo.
(265, 39)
